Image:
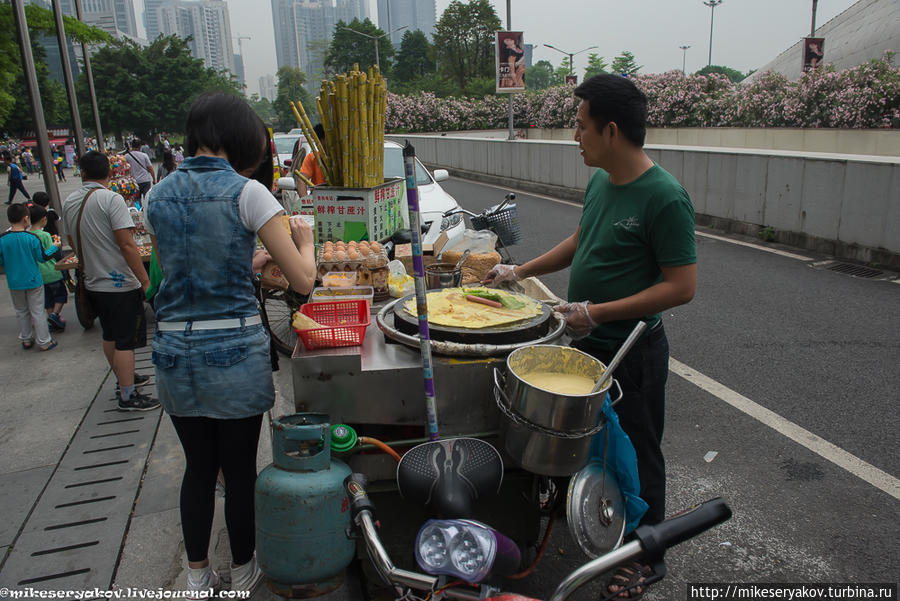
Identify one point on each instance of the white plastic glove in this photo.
(579, 323)
(500, 273)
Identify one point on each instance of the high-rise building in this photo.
(115, 17)
(239, 69)
(303, 30)
(208, 25)
(414, 14)
(151, 18)
(268, 89)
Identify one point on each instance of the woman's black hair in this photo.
(616, 98)
(265, 173)
(224, 122)
(94, 165)
(168, 160)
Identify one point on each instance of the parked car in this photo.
(284, 145)
(433, 200)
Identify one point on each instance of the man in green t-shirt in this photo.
(632, 256)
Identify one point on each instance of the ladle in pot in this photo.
(462, 259)
(626, 346)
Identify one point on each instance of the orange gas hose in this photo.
(527, 571)
(380, 445)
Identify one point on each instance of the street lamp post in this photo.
(375, 39)
(684, 50)
(712, 4)
(571, 55)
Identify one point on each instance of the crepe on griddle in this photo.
(449, 307)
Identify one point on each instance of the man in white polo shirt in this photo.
(141, 168)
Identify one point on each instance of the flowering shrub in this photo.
(866, 96)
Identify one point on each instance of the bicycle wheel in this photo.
(277, 308)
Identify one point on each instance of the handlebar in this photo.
(650, 544)
(510, 196)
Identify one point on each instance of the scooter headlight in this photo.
(463, 548)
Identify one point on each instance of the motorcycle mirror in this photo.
(448, 475)
(441, 175)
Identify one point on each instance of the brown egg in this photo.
(328, 244)
(339, 245)
(375, 246)
(328, 256)
(364, 250)
(364, 244)
(340, 255)
(353, 244)
(353, 255)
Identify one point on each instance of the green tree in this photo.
(559, 75)
(596, 65)
(464, 42)
(40, 21)
(348, 48)
(732, 74)
(415, 59)
(150, 89)
(539, 76)
(624, 64)
(265, 110)
(290, 89)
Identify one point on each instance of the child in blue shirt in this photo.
(20, 252)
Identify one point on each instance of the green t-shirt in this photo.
(627, 233)
(48, 268)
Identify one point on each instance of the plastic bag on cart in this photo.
(399, 284)
(477, 241)
(621, 460)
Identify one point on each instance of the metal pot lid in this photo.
(595, 510)
(518, 331)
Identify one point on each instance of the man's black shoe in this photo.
(138, 402)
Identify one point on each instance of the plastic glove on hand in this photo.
(500, 273)
(578, 319)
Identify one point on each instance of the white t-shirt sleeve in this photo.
(147, 199)
(119, 216)
(257, 206)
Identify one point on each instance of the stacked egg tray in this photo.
(344, 256)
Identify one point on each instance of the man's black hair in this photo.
(36, 213)
(16, 212)
(319, 131)
(224, 122)
(41, 198)
(94, 165)
(135, 144)
(615, 98)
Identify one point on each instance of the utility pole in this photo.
(712, 4)
(101, 143)
(812, 28)
(512, 133)
(571, 55)
(684, 50)
(37, 111)
(67, 76)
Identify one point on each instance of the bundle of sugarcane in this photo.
(351, 108)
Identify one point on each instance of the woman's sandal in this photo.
(629, 581)
(27, 344)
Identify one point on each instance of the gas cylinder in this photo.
(302, 511)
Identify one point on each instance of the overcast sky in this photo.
(747, 33)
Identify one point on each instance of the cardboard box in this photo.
(358, 213)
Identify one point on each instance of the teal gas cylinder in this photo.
(302, 511)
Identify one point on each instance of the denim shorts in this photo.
(224, 374)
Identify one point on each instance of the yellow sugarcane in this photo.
(316, 145)
(344, 99)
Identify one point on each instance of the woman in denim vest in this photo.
(211, 352)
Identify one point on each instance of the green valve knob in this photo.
(343, 438)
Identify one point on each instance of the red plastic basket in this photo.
(346, 320)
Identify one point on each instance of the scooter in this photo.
(459, 555)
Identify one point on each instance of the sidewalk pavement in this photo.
(45, 400)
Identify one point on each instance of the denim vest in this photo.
(204, 250)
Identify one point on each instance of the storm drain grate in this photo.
(73, 536)
(858, 271)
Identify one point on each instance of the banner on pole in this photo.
(813, 52)
(510, 60)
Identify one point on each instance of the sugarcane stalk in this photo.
(316, 145)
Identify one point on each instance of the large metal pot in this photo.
(545, 432)
(443, 275)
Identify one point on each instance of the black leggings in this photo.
(208, 445)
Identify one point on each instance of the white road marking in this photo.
(828, 451)
(774, 251)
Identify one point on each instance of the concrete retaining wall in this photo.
(882, 142)
(843, 205)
